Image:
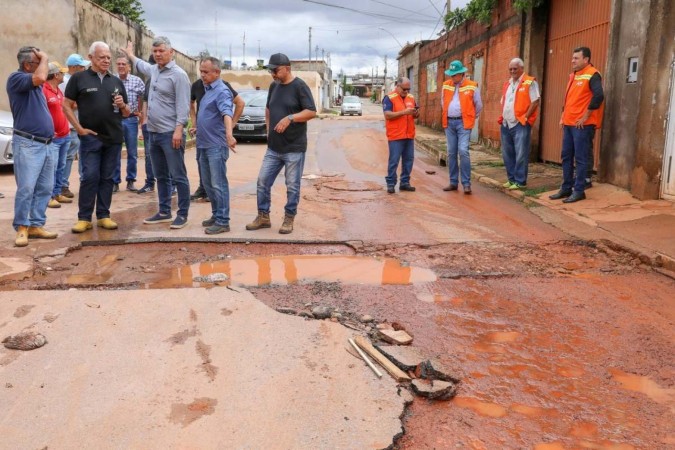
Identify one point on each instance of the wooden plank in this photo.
(389, 366)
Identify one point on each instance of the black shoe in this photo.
(467, 190)
(450, 187)
(575, 197)
(216, 229)
(588, 184)
(390, 189)
(145, 189)
(198, 195)
(116, 187)
(209, 222)
(131, 187)
(560, 194)
(406, 187)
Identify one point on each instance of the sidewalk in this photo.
(609, 213)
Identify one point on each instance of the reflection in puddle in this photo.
(532, 411)
(644, 385)
(282, 270)
(105, 269)
(482, 408)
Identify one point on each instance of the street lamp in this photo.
(391, 34)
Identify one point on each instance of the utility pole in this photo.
(216, 30)
(243, 61)
(310, 49)
(384, 83)
(258, 48)
(316, 57)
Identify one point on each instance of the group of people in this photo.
(461, 103)
(98, 112)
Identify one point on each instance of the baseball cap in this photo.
(77, 60)
(278, 59)
(55, 67)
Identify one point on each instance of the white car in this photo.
(351, 105)
(6, 131)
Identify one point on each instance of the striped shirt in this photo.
(135, 88)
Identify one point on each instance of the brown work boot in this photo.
(40, 233)
(67, 193)
(53, 203)
(63, 199)
(21, 236)
(287, 226)
(261, 221)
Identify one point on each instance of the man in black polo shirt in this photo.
(197, 91)
(102, 102)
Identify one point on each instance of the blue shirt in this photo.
(29, 106)
(215, 105)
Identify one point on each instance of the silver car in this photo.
(351, 105)
(6, 131)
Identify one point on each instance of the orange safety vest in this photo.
(578, 97)
(522, 101)
(402, 127)
(466, 90)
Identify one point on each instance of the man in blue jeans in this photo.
(214, 141)
(461, 105)
(289, 107)
(520, 99)
(135, 89)
(400, 112)
(168, 109)
(31, 143)
(101, 101)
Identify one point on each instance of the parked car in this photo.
(6, 131)
(251, 124)
(351, 104)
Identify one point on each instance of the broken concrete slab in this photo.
(399, 337)
(433, 370)
(406, 358)
(434, 389)
(322, 312)
(111, 377)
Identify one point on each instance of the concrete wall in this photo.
(411, 58)
(250, 79)
(62, 27)
(631, 156)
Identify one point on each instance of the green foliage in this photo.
(132, 9)
(481, 11)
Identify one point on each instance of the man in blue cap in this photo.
(461, 106)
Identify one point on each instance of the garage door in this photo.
(571, 24)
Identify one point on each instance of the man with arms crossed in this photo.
(289, 107)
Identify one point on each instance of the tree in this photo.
(132, 9)
(481, 11)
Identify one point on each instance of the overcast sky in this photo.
(350, 32)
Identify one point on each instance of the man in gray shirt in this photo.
(168, 109)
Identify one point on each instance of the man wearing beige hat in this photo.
(61, 141)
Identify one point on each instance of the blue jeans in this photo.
(98, 161)
(575, 150)
(213, 171)
(149, 175)
(73, 150)
(60, 148)
(199, 170)
(458, 142)
(34, 174)
(516, 151)
(273, 162)
(400, 150)
(168, 164)
(130, 127)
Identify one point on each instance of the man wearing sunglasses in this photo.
(400, 112)
(289, 107)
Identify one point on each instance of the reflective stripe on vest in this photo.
(579, 96)
(401, 127)
(466, 91)
(522, 101)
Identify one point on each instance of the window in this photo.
(432, 71)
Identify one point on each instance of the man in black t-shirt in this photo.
(197, 91)
(101, 101)
(289, 107)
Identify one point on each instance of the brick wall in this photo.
(496, 44)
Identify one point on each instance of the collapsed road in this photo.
(557, 342)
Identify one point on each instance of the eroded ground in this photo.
(558, 345)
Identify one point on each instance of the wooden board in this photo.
(389, 366)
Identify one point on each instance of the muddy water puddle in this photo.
(291, 269)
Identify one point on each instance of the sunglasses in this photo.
(405, 89)
(275, 70)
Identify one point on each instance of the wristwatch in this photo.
(290, 117)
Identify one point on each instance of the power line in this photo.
(367, 13)
(402, 9)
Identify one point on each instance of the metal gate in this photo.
(478, 78)
(571, 24)
(668, 184)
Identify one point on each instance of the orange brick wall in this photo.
(497, 44)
